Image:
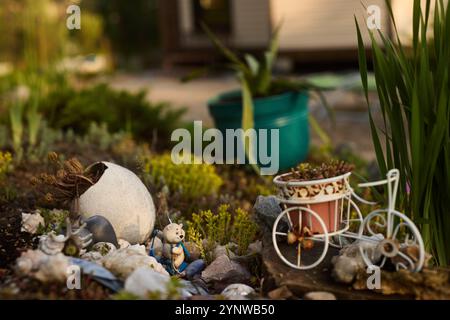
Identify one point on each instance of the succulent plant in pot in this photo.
(265, 102)
(319, 188)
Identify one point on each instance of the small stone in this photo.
(194, 251)
(267, 209)
(223, 271)
(195, 287)
(255, 247)
(319, 295)
(224, 250)
(281, 293)
(194, 268)
(237, 291)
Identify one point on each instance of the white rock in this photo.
(145, 280)
(255, 247)
(123, 262)
(237, 291)
(121, 197)
(43, 267)
(319, 295)
(31, 222)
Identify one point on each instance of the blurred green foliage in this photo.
(192, 181)
(32, 32)
(67, 107)
(207, 230)
(5, 163)
(132, 28)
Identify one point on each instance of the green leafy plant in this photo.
(207, 229)
(244, 230)
(23, 100)
(257, 80)
(54, 220)
(99, 135)
(192, 181)
(66, 108)
(413, 83)
(16, 120)
(5, 163)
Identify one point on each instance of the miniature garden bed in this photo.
(239, 189)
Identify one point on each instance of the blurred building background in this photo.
(149, 33)
(319, 31)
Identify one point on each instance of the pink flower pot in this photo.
(325, 197)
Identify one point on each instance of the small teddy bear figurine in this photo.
(173, 250)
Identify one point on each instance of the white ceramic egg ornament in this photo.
(121, 197)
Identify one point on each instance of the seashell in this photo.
(51, 243)
(104, 248)
(81, 236)
(31, 222)
(43, 267)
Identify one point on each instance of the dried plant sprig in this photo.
(69, 180)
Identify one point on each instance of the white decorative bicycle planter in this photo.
(321, 213)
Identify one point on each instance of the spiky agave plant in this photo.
(257, 80)
(413, 84)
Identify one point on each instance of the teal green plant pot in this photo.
(287, 112)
